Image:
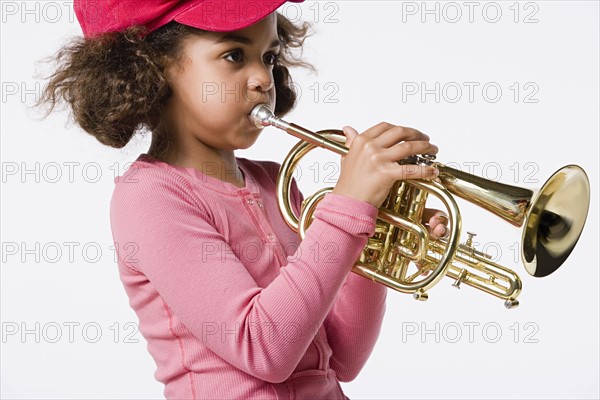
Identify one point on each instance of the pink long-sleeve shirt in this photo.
(231, 302)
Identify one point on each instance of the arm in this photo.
(353, 325)
(354, 322)
(163, 216)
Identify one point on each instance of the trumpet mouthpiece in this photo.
(260, 115)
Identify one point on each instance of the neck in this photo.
(217, 163)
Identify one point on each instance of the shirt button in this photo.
(259, 204)
(250, 201)
(270, 236)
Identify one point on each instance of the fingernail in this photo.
(433, 171)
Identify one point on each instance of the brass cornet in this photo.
(553, 219)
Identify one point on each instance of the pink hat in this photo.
(101, 16)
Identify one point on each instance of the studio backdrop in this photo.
(508, 90)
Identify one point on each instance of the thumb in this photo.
(350, 133)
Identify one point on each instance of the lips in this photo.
(261, 101)
(250, 119)
(251, 122)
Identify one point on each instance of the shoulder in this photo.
(145, 184)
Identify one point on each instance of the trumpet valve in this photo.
(459, 279)
(469, 249)
(469, 242)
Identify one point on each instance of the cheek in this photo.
(187, 94)
(198, 90)
(203, 99)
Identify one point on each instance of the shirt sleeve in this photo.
(353, 325)
(354, 322)
(162, 215)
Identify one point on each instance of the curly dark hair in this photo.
(115, 83)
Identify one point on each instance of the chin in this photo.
(246, 145)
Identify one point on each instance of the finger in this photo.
(439, 231)
(377, 130)
(437, 222)
(405, 172)
(405, 149)
(350, 133)
(434, 216)
(399, 134)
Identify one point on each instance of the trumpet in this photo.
(402, 256)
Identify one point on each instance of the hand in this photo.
(371, 166)
(436, 222)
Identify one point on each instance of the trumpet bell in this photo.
(555, 221)
(552, 218)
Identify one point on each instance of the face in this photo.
(221, 78)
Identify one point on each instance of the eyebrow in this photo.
(243, 39)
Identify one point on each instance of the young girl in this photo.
(232, 304)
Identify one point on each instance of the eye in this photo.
(271, 58)
(235, 56)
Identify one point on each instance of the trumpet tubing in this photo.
(402, 256)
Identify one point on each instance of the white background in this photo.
(367, 53)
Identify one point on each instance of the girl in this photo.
(231, 302)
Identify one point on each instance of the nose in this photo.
(261, 78)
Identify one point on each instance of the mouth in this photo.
(252, 124)
(254, 115)
(255, 125)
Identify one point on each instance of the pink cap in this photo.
(101, 16)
